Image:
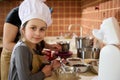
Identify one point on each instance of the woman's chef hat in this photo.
(30, 9)
(109, 32)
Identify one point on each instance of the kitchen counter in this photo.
(87, 75)
(82, 76)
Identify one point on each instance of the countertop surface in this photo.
(87, 75)
(82, 76)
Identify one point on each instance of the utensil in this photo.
(63, 66)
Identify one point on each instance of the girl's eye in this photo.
(33, 28)
(43, 29)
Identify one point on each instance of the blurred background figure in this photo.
(109, 37)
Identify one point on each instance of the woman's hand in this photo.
(56, 47)
(53, 47)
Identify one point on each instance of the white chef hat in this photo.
(109, 32)
(30, 9)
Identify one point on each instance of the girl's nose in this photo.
(37, 32)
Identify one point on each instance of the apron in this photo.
(5, 62)
(36, 63)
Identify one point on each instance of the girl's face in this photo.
(34, 31)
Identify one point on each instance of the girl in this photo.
(26, 61)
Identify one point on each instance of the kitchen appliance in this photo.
(85, 48)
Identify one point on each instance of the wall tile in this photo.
(66, 12)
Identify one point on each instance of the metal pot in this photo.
(88, 53)
(82, 42)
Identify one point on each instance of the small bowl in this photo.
(74, 60)
(81, 68)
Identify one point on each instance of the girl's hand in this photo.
(47, 70)
(48, 54)
(55, 64)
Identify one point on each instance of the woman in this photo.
(10, 37)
